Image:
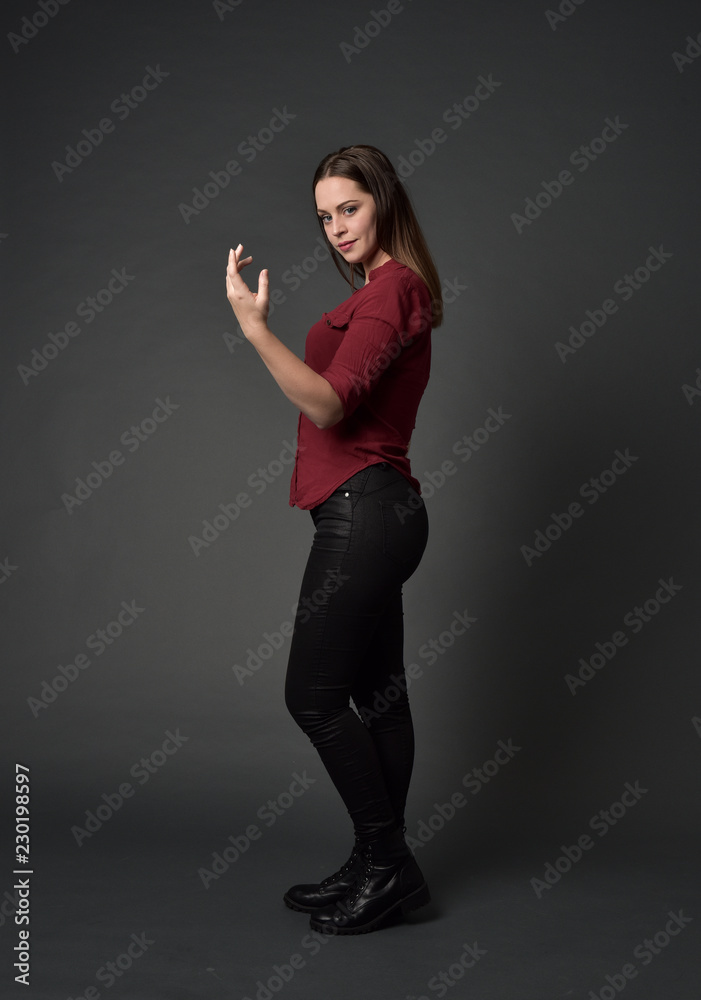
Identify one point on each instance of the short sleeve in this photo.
(390, 316)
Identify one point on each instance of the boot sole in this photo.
(296, 906)
(420, 897)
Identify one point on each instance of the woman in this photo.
(366, 367)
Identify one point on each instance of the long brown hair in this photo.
(398, 231)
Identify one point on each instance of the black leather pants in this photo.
(348, 644)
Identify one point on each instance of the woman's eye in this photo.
(350, 208)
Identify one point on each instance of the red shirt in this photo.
(375, 351)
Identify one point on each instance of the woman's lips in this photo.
(344, 246)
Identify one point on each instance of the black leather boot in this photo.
(390, 884)
(309, 898)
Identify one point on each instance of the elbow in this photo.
(332, 415)
(330, 421)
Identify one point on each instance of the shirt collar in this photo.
(387, 268)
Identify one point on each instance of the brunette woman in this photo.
(358, 390)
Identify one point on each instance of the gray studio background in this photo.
(513, 292)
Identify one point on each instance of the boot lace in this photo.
(345, 869)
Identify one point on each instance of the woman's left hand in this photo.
(250, 308)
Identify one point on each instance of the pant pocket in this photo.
(404, 532)
(333, 520)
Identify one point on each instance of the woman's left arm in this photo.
(305, 389)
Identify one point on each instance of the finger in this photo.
(234, 264)
(263, 292)
(235, 261)
(233, 278)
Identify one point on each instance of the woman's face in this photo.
(348, 216)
